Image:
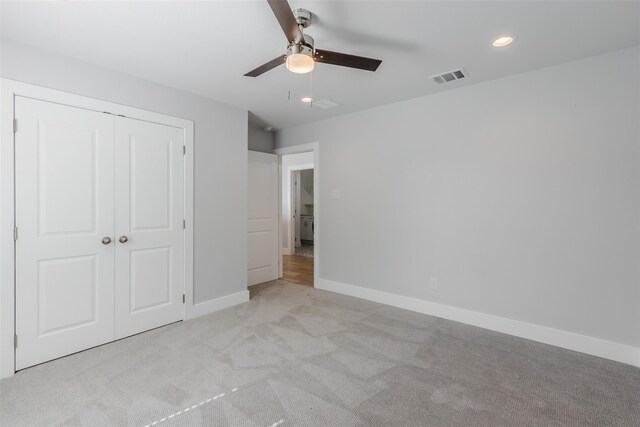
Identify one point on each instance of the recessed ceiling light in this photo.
(306, 99)
(504, 40)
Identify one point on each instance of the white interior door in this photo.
(64, 208)
(262, 239)
(149, 225)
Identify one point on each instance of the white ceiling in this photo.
(206, 47)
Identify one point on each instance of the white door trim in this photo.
(8, 90)
(305, 148)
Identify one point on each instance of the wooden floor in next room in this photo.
(298, 269)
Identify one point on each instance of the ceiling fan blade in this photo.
(266, 67)
(287, 21)
(346, 60)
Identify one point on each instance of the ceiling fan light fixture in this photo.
(306, 99)
(300, 63)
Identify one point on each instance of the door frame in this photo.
(294, 211)
(9, 89)
(297, 149)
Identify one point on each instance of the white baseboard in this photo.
(559, 338)
(286, 251)
(218, 304)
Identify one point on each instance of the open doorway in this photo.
(298, 265)
(299, 217)
(303, 212)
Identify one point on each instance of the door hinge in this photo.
(15, 125)
(184, 224)
(184, 298)
(184, 150)
(15, 233)
(15, 340)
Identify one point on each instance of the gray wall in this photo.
(259, 140)
(220, 251)
(522, 195)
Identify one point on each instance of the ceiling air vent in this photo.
(450, 76)
(325, 104)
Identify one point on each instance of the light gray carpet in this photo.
(296, 356)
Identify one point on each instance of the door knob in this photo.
(123, 239)
(106, 240)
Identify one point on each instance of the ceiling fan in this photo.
(301, 53)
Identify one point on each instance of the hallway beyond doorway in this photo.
(299, 229)
(305, 249)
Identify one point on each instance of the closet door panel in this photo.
(263, 249)
(149, 225)
(64, 208)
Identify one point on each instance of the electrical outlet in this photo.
(434, 283)
(335, 195)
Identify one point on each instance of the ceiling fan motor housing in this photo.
(306, 47)
(308, 41)
(300, 48)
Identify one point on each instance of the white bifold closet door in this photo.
(149, 216)
(64, 207)
(85, 180)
